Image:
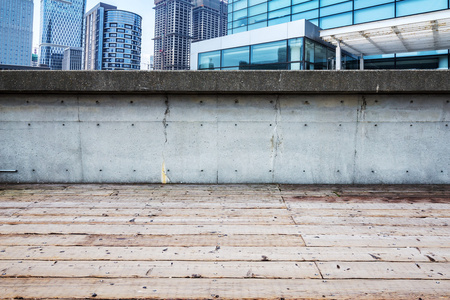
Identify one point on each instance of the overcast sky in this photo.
(141, 7)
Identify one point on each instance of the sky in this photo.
(144, 8)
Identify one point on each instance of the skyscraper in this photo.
(173, 33)
(16, 32)
(112, 39)
(209, 19)
(61, 27)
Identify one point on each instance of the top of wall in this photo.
(226, 82)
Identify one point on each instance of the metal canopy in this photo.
(430, 31)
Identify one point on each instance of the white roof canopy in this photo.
(424, 32)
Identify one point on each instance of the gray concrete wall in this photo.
(225, 127)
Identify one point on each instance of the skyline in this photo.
(143, 8)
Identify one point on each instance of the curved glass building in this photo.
(122, 40)
(113, 39)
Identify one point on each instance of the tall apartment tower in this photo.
(209, 19)
(16, 32)
(173, 34)
(61, 27)
(112, 39)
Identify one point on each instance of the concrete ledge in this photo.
(227, 82)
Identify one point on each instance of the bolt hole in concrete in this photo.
(97, 102)
(131, 102)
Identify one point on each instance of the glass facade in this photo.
(122, 41)
(292, 54)
(246, 15)
(61, 27)
(16, 32)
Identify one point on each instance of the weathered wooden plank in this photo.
(374, 221)
(211, 204)
(362, 205)
(117, 195)
(158, 269)
(162, 212)
(155, 229)
(371, 221)
(436, 254)
(384, 270)
(376, 241)
(187, 240)
(214, 253)
(177, 288)
(345, 213)
(144, 220)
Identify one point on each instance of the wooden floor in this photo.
(224, 242)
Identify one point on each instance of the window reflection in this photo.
(292, 54)
(236, 57)
(269, 53)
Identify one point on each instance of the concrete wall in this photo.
(225, 127)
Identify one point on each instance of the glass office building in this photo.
(112, 39)
(61, 27)
(292, 54)
(245, 15)
(16, 32)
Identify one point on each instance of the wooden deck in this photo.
(224, 242)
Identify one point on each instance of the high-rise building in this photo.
(209, 19)
(252, 29)
(16, 32)
(61, 27)
(112, 39)
(173, 34)
(72, 59)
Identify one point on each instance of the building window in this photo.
(269, 53)
(236, 57)
(209, 60)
